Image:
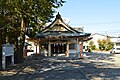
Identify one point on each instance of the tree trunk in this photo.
(0, 48)
(16, 50)
(22, 40)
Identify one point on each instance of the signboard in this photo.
(7, 50)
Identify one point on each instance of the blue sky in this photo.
(101, 16)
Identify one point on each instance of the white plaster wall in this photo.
(96, 38)
(77, 46)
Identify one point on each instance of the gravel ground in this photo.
(94, 66)
(102, 66)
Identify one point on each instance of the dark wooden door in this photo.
(58, 48)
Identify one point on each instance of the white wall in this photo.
(96, 37)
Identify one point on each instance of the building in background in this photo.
(96, 37)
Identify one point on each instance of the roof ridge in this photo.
(65, 25)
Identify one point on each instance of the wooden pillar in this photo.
(67, 50)
(36, 44)
(81, 49)
(36, 53)
(49, 49)
(77, 47)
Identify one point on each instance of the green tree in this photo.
(101, 44)
(105, 44)
(108, 45)
(92, 46)
(17, 15)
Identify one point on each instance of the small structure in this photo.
(96, 37)
(7, 50)
(60, 38)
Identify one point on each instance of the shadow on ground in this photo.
(62, 68)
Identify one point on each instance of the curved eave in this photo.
(62, 35)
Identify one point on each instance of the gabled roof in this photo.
(98, 34)
(58, 28)
(59, 22)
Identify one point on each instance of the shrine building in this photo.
(60, 38)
